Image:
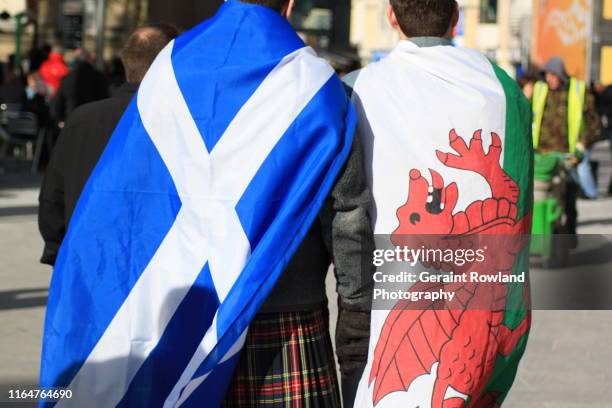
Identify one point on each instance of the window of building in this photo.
(314, 20)
(488, 11)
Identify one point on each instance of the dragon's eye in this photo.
(415, 218)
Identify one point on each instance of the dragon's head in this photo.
(429, 209)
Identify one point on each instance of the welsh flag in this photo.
(447, 139)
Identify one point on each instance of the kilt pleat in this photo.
(287, 362)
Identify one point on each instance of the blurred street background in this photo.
(568, 363)
(517, 34)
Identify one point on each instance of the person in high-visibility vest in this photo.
(564, 120)
(603, 98)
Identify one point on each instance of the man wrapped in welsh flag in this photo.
(447, 140)
(193, 270)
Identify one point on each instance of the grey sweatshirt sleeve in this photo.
(348, 234)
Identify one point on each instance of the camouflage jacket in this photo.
(554, 133)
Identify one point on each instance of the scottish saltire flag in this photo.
(447, 136)
(212, 178)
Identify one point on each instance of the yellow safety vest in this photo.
(575, 100)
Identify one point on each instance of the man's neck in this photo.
(429, 41)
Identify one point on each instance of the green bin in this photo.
(546, 208)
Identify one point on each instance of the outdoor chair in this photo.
(21, 129)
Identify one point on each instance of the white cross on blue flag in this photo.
(208, 185)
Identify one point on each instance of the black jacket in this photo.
(76, 153)
(84, 84)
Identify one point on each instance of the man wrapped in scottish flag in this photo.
(192, 272)
(447, 142)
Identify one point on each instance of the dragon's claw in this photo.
(495, 140)
(457, 143)
(453, 135)
(443, 157)
(437, 181)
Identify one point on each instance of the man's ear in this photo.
(288, 9)
(392, 18)
(452, 31)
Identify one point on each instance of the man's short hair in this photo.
(424, 18)
(273, 4)
(142, 47)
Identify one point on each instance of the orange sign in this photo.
(562, 29)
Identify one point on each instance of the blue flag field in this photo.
(208, 185)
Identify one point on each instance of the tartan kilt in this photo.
(287, 362)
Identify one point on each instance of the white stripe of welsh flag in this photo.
(447, 138)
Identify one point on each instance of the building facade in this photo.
(182, 13)
(370, 31)
(507, 31)
(323, 23)
(495, 27)
(601, 43)
(71, 24)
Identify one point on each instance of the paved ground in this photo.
(568, 363)
(23, 281)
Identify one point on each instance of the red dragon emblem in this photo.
(459, 344)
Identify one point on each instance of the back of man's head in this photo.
(142, 47)
(278, 5)
(424, 18)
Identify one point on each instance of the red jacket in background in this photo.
(53, 70)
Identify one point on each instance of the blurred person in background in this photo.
(12, 89)
(54, 69)
(37, 56)
(565, 120)
(37, 100)
(527, 82)
(83, 84)
(35, 86)
(115, 73)
(85, 136)
(603, 101)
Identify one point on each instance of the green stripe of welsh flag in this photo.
(518, 156)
